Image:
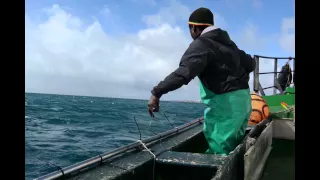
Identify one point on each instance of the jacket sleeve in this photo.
(247, 62)
(192, 63)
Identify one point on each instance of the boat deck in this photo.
(281, 162)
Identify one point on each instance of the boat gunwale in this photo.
(102, 158)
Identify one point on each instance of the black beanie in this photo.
(201, 17)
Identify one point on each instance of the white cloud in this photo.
(105, 10)
(65, 56)
(249, 38)
(219, 21)
(176, 12)
(168, 15)
(287, 37)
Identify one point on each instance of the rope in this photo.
(154, 157)
(51, 164)
(287, 118)
(289, 110)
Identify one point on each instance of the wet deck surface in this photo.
(281, 162)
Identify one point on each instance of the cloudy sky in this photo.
(124, 48)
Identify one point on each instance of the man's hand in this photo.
(153, 105)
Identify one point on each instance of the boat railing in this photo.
(101, 158)
(276, 86)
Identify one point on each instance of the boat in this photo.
(266, 152)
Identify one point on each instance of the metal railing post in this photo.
(294, 70)
(275, 75)
(256, 75)
(276, 86)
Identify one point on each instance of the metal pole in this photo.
(294, 70)
(268, 57)
(256, 75)
(275, 75)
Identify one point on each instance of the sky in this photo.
(124, 48)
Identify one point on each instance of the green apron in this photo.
(225, 119)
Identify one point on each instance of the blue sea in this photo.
(62, 130)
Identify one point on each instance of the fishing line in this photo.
(152, 131)
(58, 167)
(168, 120)
(150, 123)
(145, 129)
(154, 157)
(166, 117)
(137, 126)
(171, 126)
(145, 147)
(142, 129)
(51, 164)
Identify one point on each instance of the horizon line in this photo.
(60, 94)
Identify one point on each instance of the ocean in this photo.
(61, 130)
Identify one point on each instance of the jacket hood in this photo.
(218, 35)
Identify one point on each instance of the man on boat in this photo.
(223, 71)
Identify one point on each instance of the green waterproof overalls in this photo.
(225, 119)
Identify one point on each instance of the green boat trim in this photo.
(274, 103)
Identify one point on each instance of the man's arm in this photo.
(247, 62)
(191, 65)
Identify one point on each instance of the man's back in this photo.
(224, 71)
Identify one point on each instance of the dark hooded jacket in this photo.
(216, 60)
